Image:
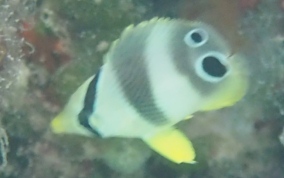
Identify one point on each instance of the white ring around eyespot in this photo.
(203, 75)
(188, 40)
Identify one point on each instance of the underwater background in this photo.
(49, 47)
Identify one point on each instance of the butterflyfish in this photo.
(155, 75)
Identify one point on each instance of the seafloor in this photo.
(48, 47)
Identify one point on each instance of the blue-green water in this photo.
(49, 47)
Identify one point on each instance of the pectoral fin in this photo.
(173, 145)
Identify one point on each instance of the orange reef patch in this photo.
(43, 48)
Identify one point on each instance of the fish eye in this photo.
(212, 67)
(196, 37)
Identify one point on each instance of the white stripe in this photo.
(172, 92)
(113, 116)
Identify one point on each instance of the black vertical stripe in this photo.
(89, 103)
(128, 61)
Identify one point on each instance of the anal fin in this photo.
(173, 145)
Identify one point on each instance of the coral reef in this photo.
(133, 155)
(4, 148)
(13, 72)
(281, 137)
(48, 47)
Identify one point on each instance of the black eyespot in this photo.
(196, 37)
(213, 67)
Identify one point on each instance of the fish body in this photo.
(155, 75)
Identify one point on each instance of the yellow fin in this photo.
(173, 145)
(57, 125)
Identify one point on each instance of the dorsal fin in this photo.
(143, 24)
(132, 28)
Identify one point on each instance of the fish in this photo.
(157, 74)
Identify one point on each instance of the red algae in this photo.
(44, 49)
